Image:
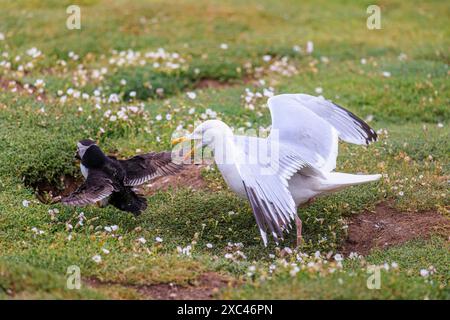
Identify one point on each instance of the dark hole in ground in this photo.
(46, 191)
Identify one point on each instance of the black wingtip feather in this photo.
(371, 135)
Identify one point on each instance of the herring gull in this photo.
(290, 167)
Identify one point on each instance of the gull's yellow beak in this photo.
(191, 151)
(179, 140)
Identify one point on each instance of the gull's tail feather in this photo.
(337, 180)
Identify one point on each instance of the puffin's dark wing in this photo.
(145, 167)
(96, 187)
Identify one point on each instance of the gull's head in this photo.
(82, 147)
(210, 133)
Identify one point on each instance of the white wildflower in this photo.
(191, 95)
(424, 273)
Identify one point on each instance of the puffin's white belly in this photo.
(84, 171)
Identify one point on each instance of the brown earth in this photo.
(189, 177)
(203, 288)
(386, 227)
(206, 286)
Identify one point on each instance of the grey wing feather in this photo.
(266, 186)
(351, 128)
(96, 187)
(145, 167)
(312, 126)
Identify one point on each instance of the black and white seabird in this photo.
(110, 180)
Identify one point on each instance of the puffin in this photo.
(111, 181)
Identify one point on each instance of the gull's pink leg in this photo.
(298, 224)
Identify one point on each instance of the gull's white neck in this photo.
(226, 156)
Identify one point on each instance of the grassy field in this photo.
(127, 79)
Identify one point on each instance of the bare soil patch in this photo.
(203, 288)
(189, 177)
(387, 227)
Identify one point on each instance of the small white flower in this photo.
(133, 94)
(113, 118)
(97, 258)
(123, 82)
(267, 57)
(424, 272)
(294, 271)
(309, 47)
(223, 46)
(209, 245)
(26, 203)
(252, 268)
(318, 90)
(228, 256)
(2, 36)
(363, 61)
(158, 239)
(191, 95)
(338, 257)
(168, 117)
(108, 229)
(37, 231)
(401, 193)
(39, 83)
(142, 240)
(158, 117)
(440, 125)
(386, 74)
(296, 48)
(113, 98)
(394, 265)
(105, 251)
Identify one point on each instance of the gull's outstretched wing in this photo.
(96, 187)
(312, 125)
(145, 167)
(266, 183)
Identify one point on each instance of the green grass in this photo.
(410, 108)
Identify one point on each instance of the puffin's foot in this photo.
(298, 224)
(56, 199)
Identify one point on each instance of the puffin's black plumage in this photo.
(108, 177)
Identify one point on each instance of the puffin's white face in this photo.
(81, 149)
